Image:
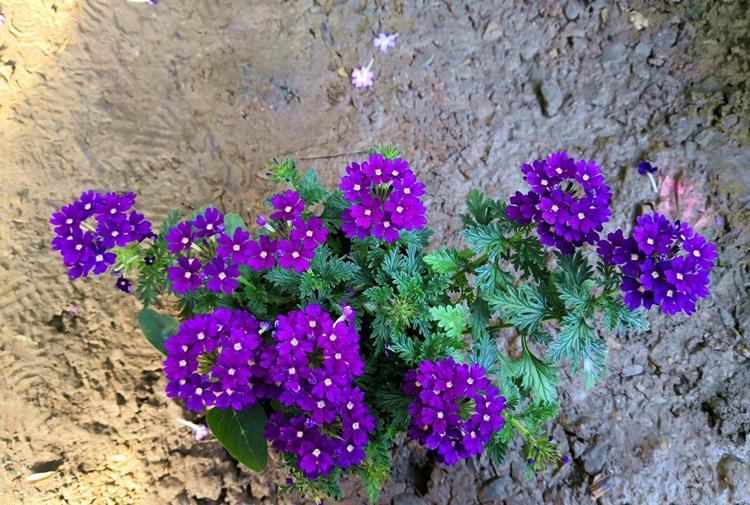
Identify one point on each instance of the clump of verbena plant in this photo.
(329, 327)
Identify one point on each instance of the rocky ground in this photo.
(184, 103)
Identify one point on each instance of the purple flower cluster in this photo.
(385, 194)
(291, 244)
(568, 201)
(86, 244)
(455, 411)
(218, 360)
(663, 263)
(317, 360)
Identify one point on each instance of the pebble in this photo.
(409, 499)
(573, 10)
(632, 370)
(553, 95)
(594, 458)
(495, 490)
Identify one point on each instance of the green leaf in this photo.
(242, 434)
(451, 318)
(310, 188)
(521, 306)
(482, 209)
(233, 221)
(157, 327)
(537, 376)
(538, 412)
(486, 239)
(570, 342)
(618, 315)
(443, 261)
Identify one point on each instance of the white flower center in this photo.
(99, 258)
(316, 452)
(641, 289)
(292, 371)
(295, 255)
(679, 276)
(697, 254)
(670, 293)
(188, 275)
(386, 224)
(288, 208)
(199, 391)
(184, 348)
(394, 173)
(321, 404)
(544, 182)
(486, 417)
(337, 355)
(555, 208)
(407, 191)
(312, 324)
(399, 209)
(209, 226)
(201, 336)
(237, 346)
(328, 382)
(368, 212)
(349, 448)
(185, 240)
(350, 405)
(449, 384)
(87, 206)
(113, 211)
(222, 276)
(650, 241)
(236, 247)
(581, 215)
(439, 415)
(300, 434)
(355, 426)
(182, 362)
(115, 233)
(309, 233)
(263, 254)
(69, 221)
(332, 338)
(585, 177)
(378, 172)
(79, 247)
(469, 381)
(294, 342)
(558, 170)
(231, 371)
(655, 275)
(357, 187)
(634, 257)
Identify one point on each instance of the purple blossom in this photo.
(221, 276)
(384, 42)
(385, 197)
(644, 167)
(209, 223)
(180, 238)
(185, 275)
(100, 259)
(310, 233)
(439, 389)
(261, 254)
(289, 206)
(237, 247)
(124, 285)
(568, 201)
(215, 360)
(665, 264)
(293, 256)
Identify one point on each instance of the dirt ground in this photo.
(184, 102)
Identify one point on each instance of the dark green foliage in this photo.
(376, 468)
(241, 433)
(157, 327)
(521, 306)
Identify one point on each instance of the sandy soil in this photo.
(185, 102)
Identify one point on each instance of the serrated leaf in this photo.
(451, 318)
(571, 340)
(242, 433)
(157, 327)
(311, 190)
(443, 261)
(486, 239)
(537, 376)
(521, 306)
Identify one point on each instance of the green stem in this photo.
(499, 326)
(520, 427)
(244, 282)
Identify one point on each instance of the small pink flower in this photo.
(384, 42)
(363, 77)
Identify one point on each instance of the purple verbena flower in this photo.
(384, 42)
(180, 238)
(209, 223)
(289, 206)
(237, 247)
(440, 390)
(124, 285)
(185, 276)
(363, 77)
(644, 167)
(221, 276)
(568, 201)
(310, 233)
(261, 254)
(293, 256)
